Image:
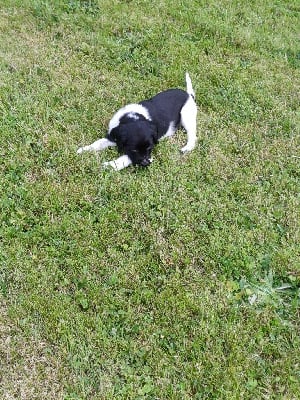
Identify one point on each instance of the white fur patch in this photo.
(130, 108)
(188, 121)
(118, 164)
(171, 130)
(99, 144)
(189, 86)
(133, 116)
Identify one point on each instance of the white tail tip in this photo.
(189, 86)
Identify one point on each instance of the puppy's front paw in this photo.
(186, 148)
(110, 164)
(80, 150)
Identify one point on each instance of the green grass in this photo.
(180, 281)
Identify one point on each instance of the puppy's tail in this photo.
(189, 86)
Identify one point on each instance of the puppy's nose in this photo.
(145, 162)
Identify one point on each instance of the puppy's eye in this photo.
(134, 151)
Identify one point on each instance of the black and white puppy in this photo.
(136, 128)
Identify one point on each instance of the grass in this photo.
(180, 281)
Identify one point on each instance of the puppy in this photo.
(136, 128)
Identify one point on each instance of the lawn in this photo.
(178, 281)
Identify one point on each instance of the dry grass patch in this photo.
(30, 367)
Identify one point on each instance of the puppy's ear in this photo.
(122, 138)
(154, 134)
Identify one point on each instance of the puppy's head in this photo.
(137, 140)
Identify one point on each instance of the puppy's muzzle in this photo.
(145, 162)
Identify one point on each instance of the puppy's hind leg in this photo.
(189, 121)
(100, 144)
